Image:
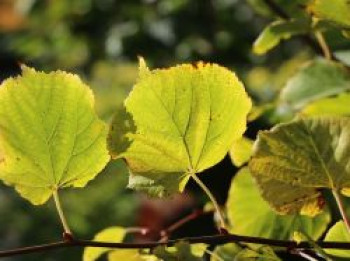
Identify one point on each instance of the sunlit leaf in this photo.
(181, 251)
(338, 233)
(294, 160)
(111, 234)
(264, 253)
(244, 199)
(181, 120)
(277, 31)
(335, 11)
(338, 105)
(241, 151)
(49, 133)
(316, 80)
(229, 252)
(114, 235)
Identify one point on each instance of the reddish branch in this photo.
(215, 239)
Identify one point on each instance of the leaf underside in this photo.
(293, 161)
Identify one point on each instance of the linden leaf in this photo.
(295, 160)
(244, 199)
(338, 105)
(277, 31)
(111, 234)
(114, 235)
(49, 133)
(336, 11)
(318, 79)
(178, 121)
(181, 251)
(241, 151)
(338, 232)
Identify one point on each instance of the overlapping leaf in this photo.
(49, 133)
(245, 199)
(241, 151)
(336, 11)
(114, 235)
(338, 232)
(178, 121)
(338, 105)
(316, 80)
(293, 161)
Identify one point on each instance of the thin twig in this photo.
(341, 208)
(304, 255)
(215, 239)
(324, 46)
(165, 233)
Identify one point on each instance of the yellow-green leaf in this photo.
(277, 31)
(338, 233)
(49, 133)
(338, 105)
(293, 161)
(335, 11)
(241, 151)
(114, 235)
(111, 234)
(181, 120)
(244, 199)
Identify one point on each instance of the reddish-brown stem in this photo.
(215, 239)
(165, 233)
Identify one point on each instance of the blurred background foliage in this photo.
(100, 40)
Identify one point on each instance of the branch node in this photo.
(67, 237)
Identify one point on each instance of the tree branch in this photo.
(215, 239)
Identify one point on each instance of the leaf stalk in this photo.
(63, 219)
(341, 208)
(212, 199)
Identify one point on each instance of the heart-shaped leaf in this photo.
(293, 161)
(49, 133)
(178, 121)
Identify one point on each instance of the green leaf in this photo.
(264, 253)
(343, 56)
(130, 255)
(225, 252)
(111, 234)
(244, 199)
(277, 31)
(114, 235)
(293, 161)
(336, 11)
(229, 252)
(49, 133)
(338, 233)
(241, 151)
(338, 105)
(185, 119)
(181, 251)
(316, 80)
